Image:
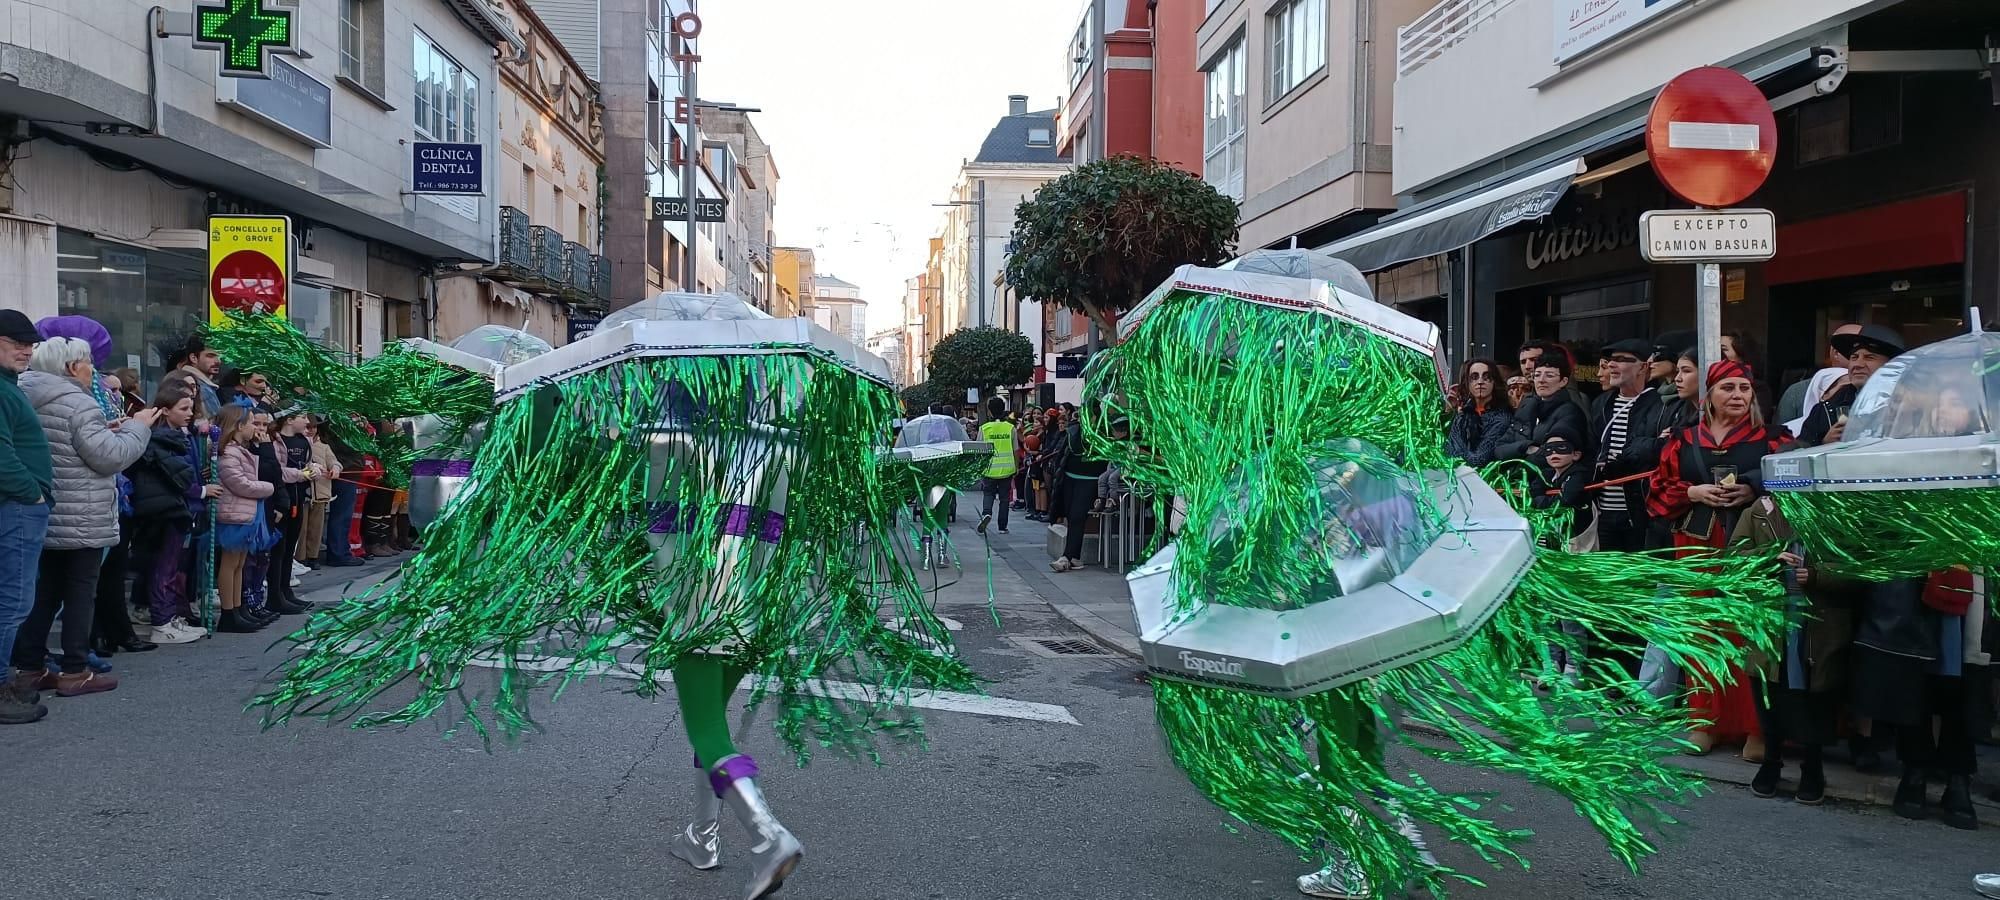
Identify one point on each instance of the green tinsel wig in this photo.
(1232, 407)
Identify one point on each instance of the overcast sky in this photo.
(870, 108)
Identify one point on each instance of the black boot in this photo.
(235, 622)
(1812, 782)
(1765, 782)
(1861, 748)
(1956, 806)
(1910, 799)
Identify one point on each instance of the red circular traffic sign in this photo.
(1712, 137)
(248, 281)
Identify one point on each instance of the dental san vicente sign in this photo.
(444, 168)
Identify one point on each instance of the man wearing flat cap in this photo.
(1866, 350)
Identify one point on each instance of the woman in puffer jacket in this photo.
(88, 452)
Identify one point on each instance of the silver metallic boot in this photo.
(774, 853)
(1340, 880)
(700, 842)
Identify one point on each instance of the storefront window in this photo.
(1585, 320)
(147, 299)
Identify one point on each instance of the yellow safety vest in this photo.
(1001, 436)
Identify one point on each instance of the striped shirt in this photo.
(1614, 444)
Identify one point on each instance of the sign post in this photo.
(1713, 140)
(249, 266)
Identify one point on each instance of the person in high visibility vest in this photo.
(998, 481)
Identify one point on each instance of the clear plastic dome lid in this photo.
(501, 344)
(931, 428)
(1305, 264)
(673, 306)
(1942, 390)
(1365, 524)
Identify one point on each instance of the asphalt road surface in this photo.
(1054, 787)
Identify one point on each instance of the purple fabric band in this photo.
(441, 468)
(737, 521)
(730, 771)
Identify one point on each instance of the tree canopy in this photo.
(1098, 239)
(983, 358)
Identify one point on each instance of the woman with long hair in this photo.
(1709, 474)
(1484, 412)
(167, 493)
(241, 526)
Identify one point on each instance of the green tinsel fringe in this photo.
(1232, 408)
(1886, 535)
(396, 384)
(543, 558)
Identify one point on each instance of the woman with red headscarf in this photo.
(1709, 474)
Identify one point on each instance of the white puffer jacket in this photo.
(88, 456)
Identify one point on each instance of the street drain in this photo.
(1052, 647)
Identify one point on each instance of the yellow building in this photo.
(792, 272)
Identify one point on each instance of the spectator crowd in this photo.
(122, 515)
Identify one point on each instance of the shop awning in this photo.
(1429, 232)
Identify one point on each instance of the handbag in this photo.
(1586, 540)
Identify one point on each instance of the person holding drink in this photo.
(1866, 351)
(1708, 475)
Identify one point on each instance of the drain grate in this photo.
(1055, 646)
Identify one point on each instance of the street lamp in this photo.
(977, 282)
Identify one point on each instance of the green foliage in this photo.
(919, 398)
(983, 358)
(1098, 239)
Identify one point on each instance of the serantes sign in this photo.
(249, 265)
(674, 209)
(1708, 235)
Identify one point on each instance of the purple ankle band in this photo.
(731, 770)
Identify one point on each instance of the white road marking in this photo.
(942, 701)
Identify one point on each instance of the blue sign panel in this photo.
(440, 168)
(581, 327)
(291, 100)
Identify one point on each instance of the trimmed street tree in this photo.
(983, 358)
(919, 398)
(1100, 238)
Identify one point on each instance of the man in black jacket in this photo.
(1626, 422)
(1552, 407)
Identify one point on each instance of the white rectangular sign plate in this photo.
(1708, 235)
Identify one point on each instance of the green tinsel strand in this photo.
(545, 554)
(1235, 409)
(396, 384)
(1886, 535)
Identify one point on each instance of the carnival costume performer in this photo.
(447, 447)
(703, 492)
(1339, 574)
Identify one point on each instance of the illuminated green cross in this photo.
(245, 32)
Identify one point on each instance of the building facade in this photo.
(1141, 62)
(753, 199)
(837, 307)
(792, 274)
(1297, 123)
(549, 262)
(1523, 170)
(888, 344)
(120, 145)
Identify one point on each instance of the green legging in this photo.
(704, 684)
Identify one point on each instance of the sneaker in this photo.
(1987, 885)
(299, 568)
(985, 520)
(1003, 531)
(343, 562)
(1338, 881)
(177, 631)
(81, 683)
(296, 581)
(96, 663)
(15, 711)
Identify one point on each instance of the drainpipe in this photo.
(1153, 81)
(156, 31)
(1364, 80)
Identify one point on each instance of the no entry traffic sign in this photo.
(249, 265)
(1712, 137)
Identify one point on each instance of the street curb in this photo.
(1065, 604)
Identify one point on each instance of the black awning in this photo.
(1454, 225)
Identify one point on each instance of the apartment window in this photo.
(447, 105)
(1298, 44)
(1041, 137)
(583, 235)
(361, 44)
(1223, 130)
(528, 191)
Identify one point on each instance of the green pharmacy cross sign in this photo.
(246, 32)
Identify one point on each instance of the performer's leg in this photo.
(704, 685)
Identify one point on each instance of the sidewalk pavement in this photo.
(1095, 600)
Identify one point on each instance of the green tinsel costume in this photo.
(1242, 395)
(704, 500)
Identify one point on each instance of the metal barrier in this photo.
(1124, 532)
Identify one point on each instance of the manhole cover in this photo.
(1053, 646)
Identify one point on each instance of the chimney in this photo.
(1017, 104)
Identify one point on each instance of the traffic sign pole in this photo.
(1707, 324)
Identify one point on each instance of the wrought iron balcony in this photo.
(549, 261)
(515, 252)
(601, 280)
(580, 272)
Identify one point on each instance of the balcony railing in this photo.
(1440, 29)
(578, 272)
(515, 252)
(601, 280)
(549, 261)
